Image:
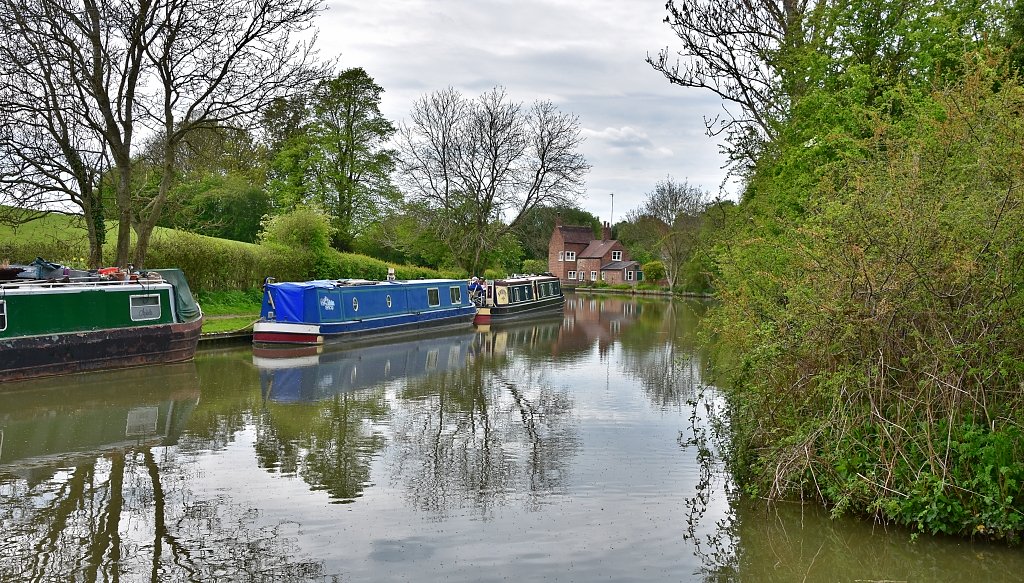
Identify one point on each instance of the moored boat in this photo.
(74, 321)
(335, 311)
(519, 297)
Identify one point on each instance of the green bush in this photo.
(535, 266)
(653, 271)
(875, 355)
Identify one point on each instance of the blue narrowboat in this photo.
(331, 311)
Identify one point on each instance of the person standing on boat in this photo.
(476, 290)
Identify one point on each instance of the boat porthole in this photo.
(355, 304)
(389, 301)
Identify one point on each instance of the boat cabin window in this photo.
(456, 295)
(145, 307)
(3, 315)
(433, 297)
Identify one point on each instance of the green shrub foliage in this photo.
(878, 321)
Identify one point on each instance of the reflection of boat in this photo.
(519, 297)
(67, 324)
(541, 332)
(310, 374)
(53, 420)
(315, 312)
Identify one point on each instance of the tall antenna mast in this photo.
(611, 220)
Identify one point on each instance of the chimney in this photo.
(606, 231)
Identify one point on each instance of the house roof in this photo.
(616, 265)
(582, 235)
(598, 248)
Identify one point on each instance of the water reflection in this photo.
(793, 542)
(559, 449)
(91, 487)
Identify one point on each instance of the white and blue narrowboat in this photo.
(332, 311)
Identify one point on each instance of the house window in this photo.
(570, 256)
(145, 307)
(602, 276)
(581, 275)
(456, 295)
(593, 276)
(616, 255)
(561, 255)
(433, 297)
(572, 275)
(629, 276)
(3, 315)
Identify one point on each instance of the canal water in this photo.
(566, 449)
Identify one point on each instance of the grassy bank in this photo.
(210, 264)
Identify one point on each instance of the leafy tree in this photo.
(330, 147)
(479, 166)
(354, 165)
(227, 206)
(534, 231)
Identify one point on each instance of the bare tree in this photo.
(481, 165)
(670, 220)
(158, 67)
(50, 156)
(745, 52)
(218, 63)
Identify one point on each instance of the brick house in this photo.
(577, 258)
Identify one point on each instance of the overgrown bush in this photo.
(880, 337)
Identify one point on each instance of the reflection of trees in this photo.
(494, 431)
(660, 350)
(328, 443)
(115, 516)
(89, 496)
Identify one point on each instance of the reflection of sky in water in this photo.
(616, 513)
(538, 452)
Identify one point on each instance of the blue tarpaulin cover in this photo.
(288, 299)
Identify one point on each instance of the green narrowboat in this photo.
(62, 325)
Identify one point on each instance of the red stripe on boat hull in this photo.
(286, 338)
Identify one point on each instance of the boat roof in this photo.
(77, 283)
(343, 283)
(525, 278)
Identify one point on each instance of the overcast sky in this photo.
(586, 57)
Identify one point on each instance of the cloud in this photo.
(586, 58)
(628, 140)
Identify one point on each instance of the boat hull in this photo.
(281, 333)
(66, 353)
(522, 311)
